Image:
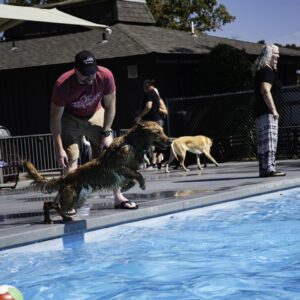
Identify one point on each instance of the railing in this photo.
(39, 149)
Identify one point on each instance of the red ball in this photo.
(6, 296)
(8, 292)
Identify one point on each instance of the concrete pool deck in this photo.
(21, 214)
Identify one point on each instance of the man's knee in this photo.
(73, 156)
(72, 165)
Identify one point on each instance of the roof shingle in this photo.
(125, 40)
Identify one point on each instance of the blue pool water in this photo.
(248, 249)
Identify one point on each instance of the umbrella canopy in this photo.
(11, 16)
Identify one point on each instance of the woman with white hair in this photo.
(267, 89)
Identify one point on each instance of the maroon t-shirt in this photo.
(82, 100)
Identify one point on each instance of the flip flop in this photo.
(122, 205)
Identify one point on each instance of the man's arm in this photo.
(56, 113)
(109, 103)
(146, 109)
(162, 108)
(265, 89)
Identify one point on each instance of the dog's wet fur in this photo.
(116, 167)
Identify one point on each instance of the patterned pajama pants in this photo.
(267, 137)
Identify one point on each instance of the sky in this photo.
(275, 21)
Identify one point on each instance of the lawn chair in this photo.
(9, 165)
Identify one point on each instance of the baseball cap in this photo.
(86, 63)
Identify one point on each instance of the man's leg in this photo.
(153, 158)
(71, 136)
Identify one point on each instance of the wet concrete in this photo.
(21, 214)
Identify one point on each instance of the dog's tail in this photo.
(39, 181)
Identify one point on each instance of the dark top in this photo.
(265, 74)
(153, 114)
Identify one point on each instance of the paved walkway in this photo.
(21, 215)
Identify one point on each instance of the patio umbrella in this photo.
(11, 16)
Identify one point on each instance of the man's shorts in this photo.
(73, 128)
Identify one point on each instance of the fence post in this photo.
(1, 176)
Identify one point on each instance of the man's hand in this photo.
(62, 158)
(106, 141)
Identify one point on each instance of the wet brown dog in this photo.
(116, 167)
(195, 144)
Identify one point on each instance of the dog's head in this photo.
(150, 133)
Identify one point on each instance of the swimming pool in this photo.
(247, 249)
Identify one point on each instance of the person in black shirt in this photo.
(151, 112)
(266, 90)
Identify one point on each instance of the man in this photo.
(151, 105)
(76, 111)
(151, 112)
(267, 89)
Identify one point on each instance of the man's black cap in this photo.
(86, 63)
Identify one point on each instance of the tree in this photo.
(225, 69)
(261, 42)
(206, 15)
(31, 2)
(292, 46)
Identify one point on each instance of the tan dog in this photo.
(195, 144)
(116, 167)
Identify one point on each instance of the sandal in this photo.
(123, 205)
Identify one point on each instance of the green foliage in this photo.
(292, 46)
(31, 2)
(207, 15)
(225, 69)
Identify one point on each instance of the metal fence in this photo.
(39, 149)
(229, 120)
